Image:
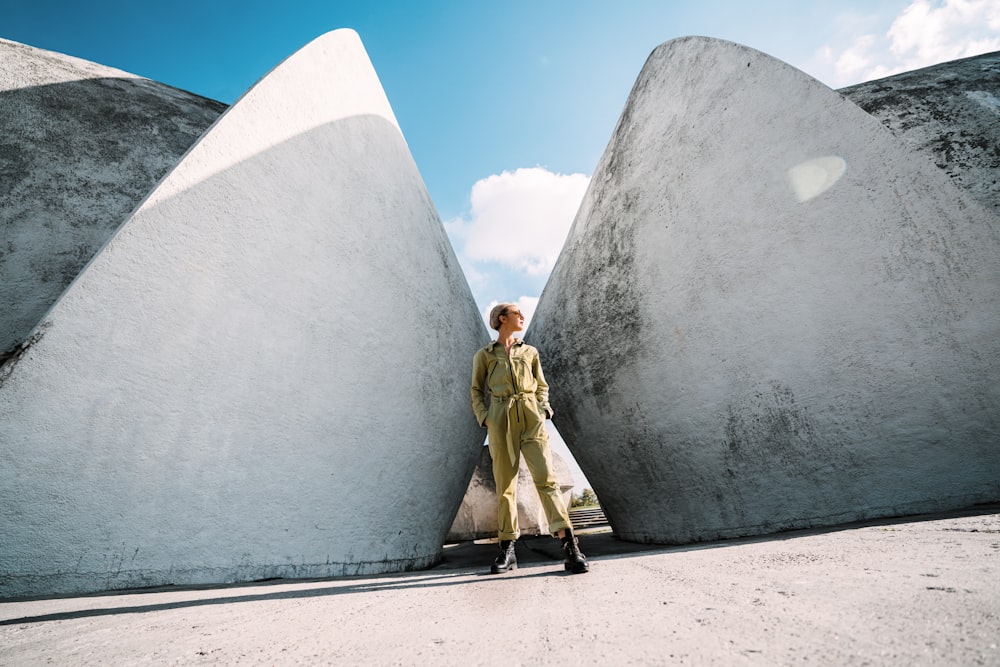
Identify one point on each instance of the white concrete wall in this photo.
(770, 313)
(263, 374)
(83, 144)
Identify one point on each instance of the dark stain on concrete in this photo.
(10, 356)
(771, 425)
(772, 430)
(597, 279)
(950, 113)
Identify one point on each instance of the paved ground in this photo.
(924, 591)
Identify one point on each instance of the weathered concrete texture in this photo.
(768, 314)
(232, 389)
(80, 146)
(950, 113)
(477, 515)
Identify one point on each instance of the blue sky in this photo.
(506, 107)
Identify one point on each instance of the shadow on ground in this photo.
(461, 563)
(601, 543)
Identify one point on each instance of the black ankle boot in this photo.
(507, 560)
(575, 560)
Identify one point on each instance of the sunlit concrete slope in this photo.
(263, 374)
(769, 313)
(950, 113)
(80, 146)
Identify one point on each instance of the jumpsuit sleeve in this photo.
(542, 389)
(479, 387)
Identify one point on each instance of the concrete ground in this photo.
(918, 591)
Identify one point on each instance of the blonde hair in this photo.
(498, 310)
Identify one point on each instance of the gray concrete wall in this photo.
(80, 146)
(263, 374)
(769, 313)
(949, 113)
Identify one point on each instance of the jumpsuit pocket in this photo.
(494, 412)
(534, 420)
(521, 369)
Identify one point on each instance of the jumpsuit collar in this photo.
(493, 344)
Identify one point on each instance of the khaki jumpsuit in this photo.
(515, 423)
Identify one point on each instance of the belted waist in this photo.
(511, 397)
(509, 400)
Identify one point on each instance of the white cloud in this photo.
(856, 61)
(925, 32)
(519, 219)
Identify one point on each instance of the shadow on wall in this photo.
(75, 159)
(223, 394)
(234, 400)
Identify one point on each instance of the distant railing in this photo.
(588, 517)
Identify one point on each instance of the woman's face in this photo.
(514, 319)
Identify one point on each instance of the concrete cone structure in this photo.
(232, 389)
(83, 145)
(768, 314)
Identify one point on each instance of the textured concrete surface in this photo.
(950, 113)
(768, 314)
(233, 388)
(80, 146)
(800, 322)
(924, 592)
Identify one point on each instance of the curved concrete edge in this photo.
(347, 86)
(949, 113)
(30, 65)
(60, 584)
(768, 314)
(230, 390)
(83, 145)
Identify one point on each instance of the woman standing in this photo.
(508, 369)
